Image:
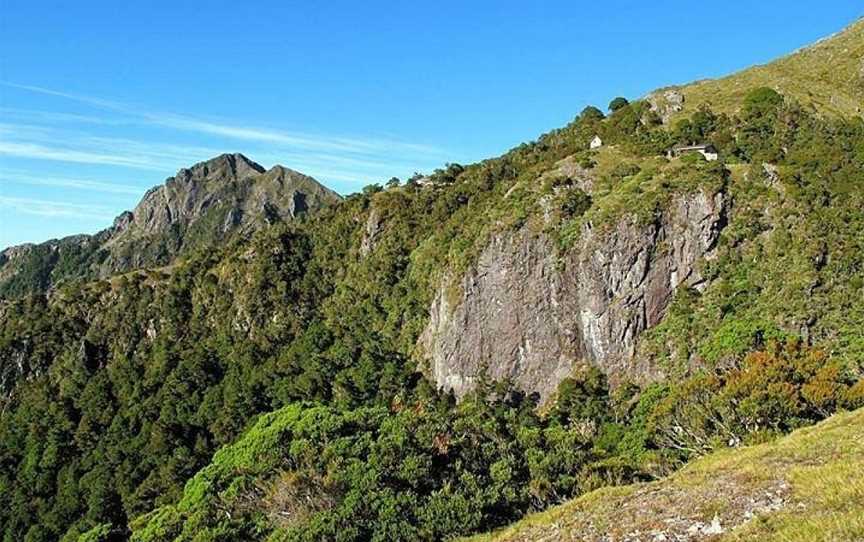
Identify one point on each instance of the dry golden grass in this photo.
(827, 76)
(808, 486)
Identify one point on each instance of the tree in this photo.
(760, 114)
(583, 397)
(575, 203)
(761, 102)
(618, 103)
(591, 113)
(370, 189)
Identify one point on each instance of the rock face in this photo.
(200, 205)
(371, 232)
(241, 188)
(529, 314)
(186, 196)
(666, 103)
(513, 319)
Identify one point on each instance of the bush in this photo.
(575, 203)
(773, 391)
(761, 102)
(591, 113)
(618, 103)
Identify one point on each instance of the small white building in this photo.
(707, 150)
(596, 143)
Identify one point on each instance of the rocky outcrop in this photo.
(666, 103)
(528, 313)
(370, 232)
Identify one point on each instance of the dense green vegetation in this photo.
(46, 263)
(292, 353)
(423, 469)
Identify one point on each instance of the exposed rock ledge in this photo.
(527, 313)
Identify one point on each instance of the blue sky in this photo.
(101, 100)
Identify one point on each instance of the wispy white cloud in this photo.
(60, 145)
(289, 139)
(20, 177)
(365, 144)
(50, 208)
(43, 152)
(35, 115)
(97, 102)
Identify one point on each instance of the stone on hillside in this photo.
(666, 103)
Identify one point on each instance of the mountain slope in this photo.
(631, 292)
(198, 207)
(660, 238)
(807, 487)
(827, 76)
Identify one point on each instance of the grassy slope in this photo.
(807, 486)
(828, 75)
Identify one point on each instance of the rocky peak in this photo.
(225, 167)
(230, 184)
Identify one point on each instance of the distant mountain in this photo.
(203, 204)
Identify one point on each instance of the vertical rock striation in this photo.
(528, 313)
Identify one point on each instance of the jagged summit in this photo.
(234, 166)
(231, 185)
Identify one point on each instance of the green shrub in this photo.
(774, 390)
(618, 103)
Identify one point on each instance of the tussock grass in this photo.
(816, 472)
(827, 76)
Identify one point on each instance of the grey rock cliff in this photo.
(187, 195)
(527, 313)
